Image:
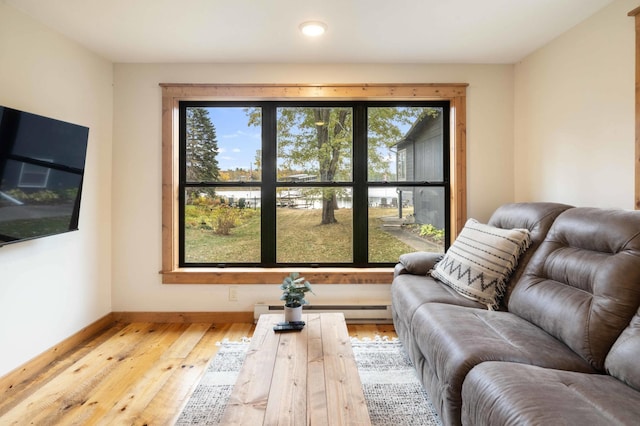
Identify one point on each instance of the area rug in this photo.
(392, 390)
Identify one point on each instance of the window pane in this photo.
(405, 219)
(314, 225)
(222, 225)
(32, 176)
(314, 144)
(223, 144)
(405, 144)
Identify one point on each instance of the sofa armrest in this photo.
(399, 269)
(416, 263)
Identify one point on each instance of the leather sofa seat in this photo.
(454, 339)
(499, 393)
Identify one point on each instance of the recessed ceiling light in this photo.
(313, 28)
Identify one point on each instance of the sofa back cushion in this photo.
(582, 285)
(537, 218)
(622, 361)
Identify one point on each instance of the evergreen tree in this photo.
(201, 149)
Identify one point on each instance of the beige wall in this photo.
(52, 287)
(137, 168)
(574, 115)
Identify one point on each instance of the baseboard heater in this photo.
(354, 314)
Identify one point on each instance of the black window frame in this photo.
(269, 182)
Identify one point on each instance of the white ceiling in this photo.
(266, 31)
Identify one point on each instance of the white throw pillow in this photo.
(479, 262)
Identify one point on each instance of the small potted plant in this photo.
(293, 289)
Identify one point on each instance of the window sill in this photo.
(276, 275)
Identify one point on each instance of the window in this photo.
(279, 184)
(33, 176)
(265, 183)
(402, 165)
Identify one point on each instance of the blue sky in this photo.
(237, 142)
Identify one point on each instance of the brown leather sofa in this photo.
(564, 347)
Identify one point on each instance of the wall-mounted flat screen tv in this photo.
(41, 171)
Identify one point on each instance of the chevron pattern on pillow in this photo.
(479, 262)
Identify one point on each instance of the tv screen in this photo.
(41, 170)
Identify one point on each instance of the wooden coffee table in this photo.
(299, 378)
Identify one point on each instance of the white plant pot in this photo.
(292, 314)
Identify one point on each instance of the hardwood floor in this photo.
(132, 374)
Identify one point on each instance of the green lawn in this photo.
(300, 238)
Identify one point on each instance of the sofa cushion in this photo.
(454, 339)
(622, 361)
(582, 285)
(409, 292)
(503, 393)
(480, 261)
(537, 218)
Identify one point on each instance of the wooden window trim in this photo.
(173, 94)
(636, 14)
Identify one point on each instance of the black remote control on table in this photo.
(296, 323)
(282, 327)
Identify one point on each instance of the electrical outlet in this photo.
(233, 294)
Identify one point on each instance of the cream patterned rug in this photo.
(392, 390)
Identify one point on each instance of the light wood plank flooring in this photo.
(132, 374)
